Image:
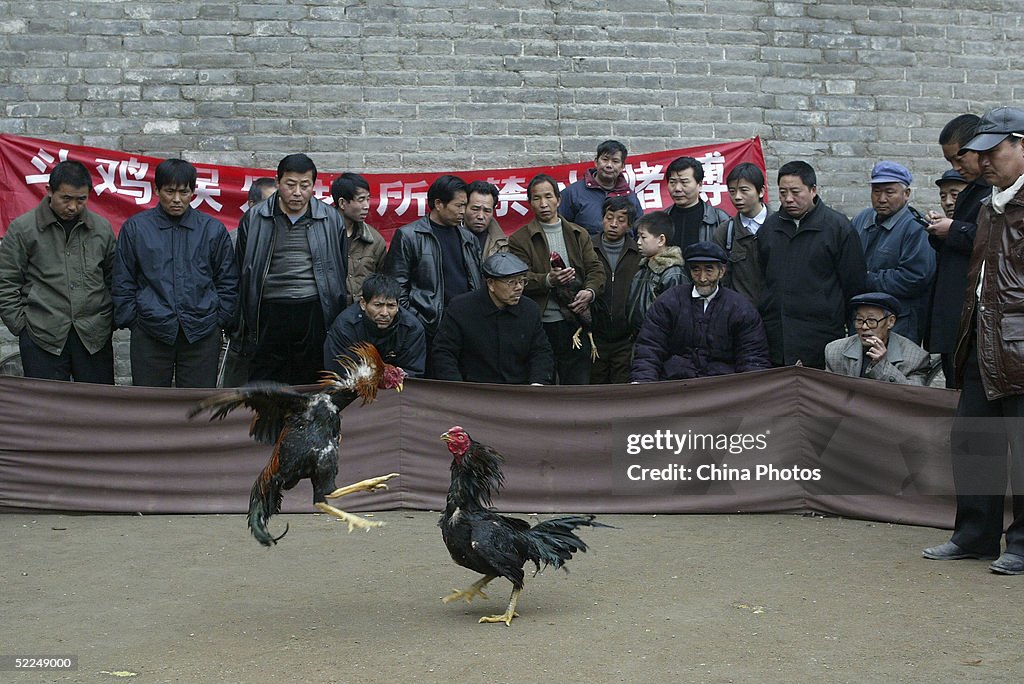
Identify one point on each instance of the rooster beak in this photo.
(445, 438)
(400, 386)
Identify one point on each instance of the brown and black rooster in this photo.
(496, 545)
(305, 430)
(564, 294)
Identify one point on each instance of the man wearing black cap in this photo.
(899, 259)
(990, 359)
(875, 351)
(700, 330)
(494, 334)
(950, 183)
(953, 239)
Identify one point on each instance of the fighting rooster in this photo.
(564, 295)
(496, 545)
(305, 430)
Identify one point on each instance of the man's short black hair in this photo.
(620, 203)
(542, 178)
(749, 172)
(345, 186)
(444, 189)
(801, 169)
(258, 186)
(295, 163)
(657, 223)
(481, 187)
(680, 164)
(175, 172)
(959, 130)
(610, 147)
(72, 173)
(380, 285)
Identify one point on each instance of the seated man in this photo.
(376, 318)
(875, 351)
(703, 330)
(494, 334)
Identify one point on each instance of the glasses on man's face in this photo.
(868, 323)
(513, 282)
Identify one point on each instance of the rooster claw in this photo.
(374, 484)
(506, 618)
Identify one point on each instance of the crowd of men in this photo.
(591, 290)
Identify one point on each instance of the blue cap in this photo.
(885, 302)
(705, 251)
(951, 175)
(891, 172)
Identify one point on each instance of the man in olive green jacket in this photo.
(55, 272)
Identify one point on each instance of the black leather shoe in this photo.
(1008, 564)
(950, 551)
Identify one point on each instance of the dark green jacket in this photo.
(50, 282)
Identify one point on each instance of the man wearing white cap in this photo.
(990, 360)
(900, 261)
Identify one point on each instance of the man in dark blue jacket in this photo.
(377, 318)
(700, 330)
(175, 285)
(900, 261)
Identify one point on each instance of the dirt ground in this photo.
(760, 598)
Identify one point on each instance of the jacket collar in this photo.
(45, 218)
(621, 185)
(854, 350)
(268, 207)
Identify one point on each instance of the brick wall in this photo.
(446, 84)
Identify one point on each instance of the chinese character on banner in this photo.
(405, 193)
(643, 180)
(207, 189)
(511, 194)
(42, 161)
(714, 178)
(125, 178)
(322, 192)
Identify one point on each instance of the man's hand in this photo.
(939, 225)
(561, 276)
(582, 300)
(876, 352)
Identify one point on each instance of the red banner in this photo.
(123, 183)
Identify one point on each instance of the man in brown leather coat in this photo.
(990, 359)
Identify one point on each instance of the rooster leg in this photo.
(374, 484)
(510, 612)
(353, 521)
(471, 593)
(593, 348)
(577, 343)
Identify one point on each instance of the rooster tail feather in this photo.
(265, 501)
(553, 542)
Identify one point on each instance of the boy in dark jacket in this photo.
(620, 257)
(661, 268)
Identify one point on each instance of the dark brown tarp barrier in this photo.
(92, 448)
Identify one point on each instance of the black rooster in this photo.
(496, 545)
(305, 430)
(564, 294)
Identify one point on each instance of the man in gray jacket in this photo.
(55, 271)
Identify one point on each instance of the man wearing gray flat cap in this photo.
(990, 360)
(875, 351)
(494, 334)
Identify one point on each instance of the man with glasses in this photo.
(875, 351)
(494, 334)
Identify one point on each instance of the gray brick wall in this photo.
(448, 84)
